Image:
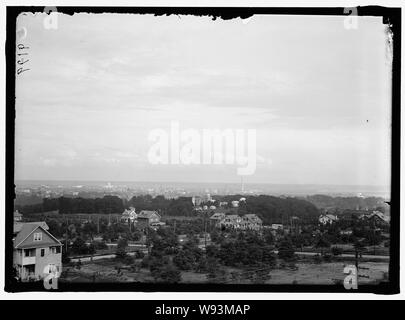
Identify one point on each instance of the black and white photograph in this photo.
(202, 149)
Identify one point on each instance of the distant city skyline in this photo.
(191, 182)
(215, 187)
(317, 94)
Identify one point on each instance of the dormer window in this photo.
(38, 236)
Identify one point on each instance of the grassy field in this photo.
(306, 272)
(327, 273)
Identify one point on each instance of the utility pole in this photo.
(66, 237)
(148, 239)
(205, 234)
(291, 224)
(374, 236)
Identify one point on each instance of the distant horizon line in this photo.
(206, 182)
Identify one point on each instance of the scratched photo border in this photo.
(390, 16)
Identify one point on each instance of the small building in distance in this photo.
(148, 218)
(245, 222)
(204, 239)
(129, 215)
(216, 218)
(36, 251)
(182, 238)
(277, 226)
(327, 219)
(376, 216)
(17, 216)
(197, 201)
(251, 221)
(346, 232)
(235, 203)
(231, 221)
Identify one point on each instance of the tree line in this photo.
(270, 209)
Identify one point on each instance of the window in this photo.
(42, 252)
(29, 252)
(55, 250)
(38, 236)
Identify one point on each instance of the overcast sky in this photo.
(317, 94)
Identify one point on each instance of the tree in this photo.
(79, 246)
(65, 255)
(212, 264)
(359, 247)
(55, 228)
(110, 234)
(268, 257)
(286, 250)
(268, 236)
(136, 235)
(322, 244)
(165, 272)
(121, 249)
(90, 229)
(184, 260)
(99, 245)
(91, 249)
(211, 251)
(373, 238)
(336, 251)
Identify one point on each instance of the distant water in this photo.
(220, 188)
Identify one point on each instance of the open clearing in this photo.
(305, 273)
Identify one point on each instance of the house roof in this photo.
(252, 217)
(329, 216)
(18, 225)
(23, 230)
(232, 218)
(128, 212)
(379, 215)
(217, 215)
(147, 214)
